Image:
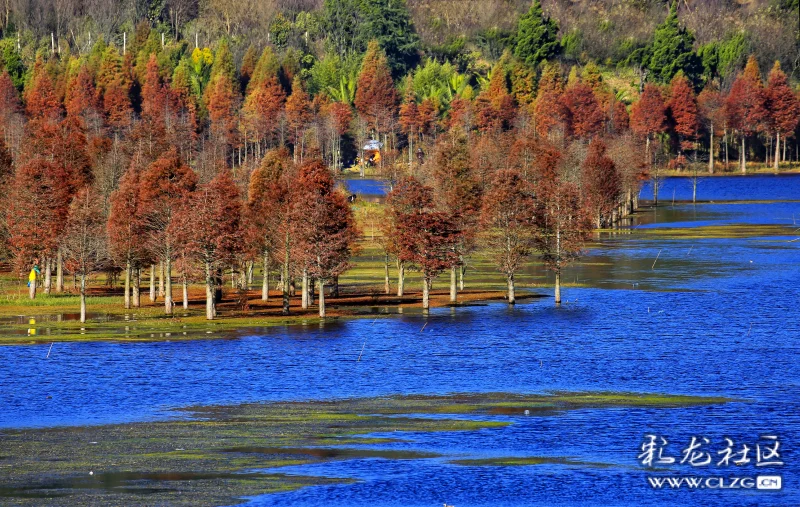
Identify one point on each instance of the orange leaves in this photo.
(376, 97)
(648, 114)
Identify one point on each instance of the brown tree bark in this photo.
(137, 281)
(386, 287)
(401, 278)
(60, 271)
(265, 281)
(453, 284)
(211, 310)
(711, 151)
(83, 297)
(152, 283)
(127, 295)
(167, 285)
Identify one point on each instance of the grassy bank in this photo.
(218, 454)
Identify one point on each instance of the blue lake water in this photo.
(678, 315)
(728, 188)
(367, 186)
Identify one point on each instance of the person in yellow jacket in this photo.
(32, 278)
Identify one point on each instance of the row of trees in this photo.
(151, 129)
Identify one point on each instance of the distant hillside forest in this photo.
(471, 34)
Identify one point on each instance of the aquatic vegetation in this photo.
(209, 458)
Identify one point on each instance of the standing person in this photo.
(32, 279)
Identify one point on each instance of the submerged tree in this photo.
(562, 225)
(425, 237)
(506, 217)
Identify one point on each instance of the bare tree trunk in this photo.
(152, 283)
(777, 151)
(335, 291)
(211, 309)
(167, 268)
(743, 158)
(127, 296)
(285, 310)
(83, 297)
(250, 269)
(161, 279)
(386, 287)
(401, 277)
(304, 290)
(59, 271)
(426, 293)
(185, 292)
(453, 285)
(558, 288)
(512, 297)
(48, 277)
(726, 150)
(137, 280)
(321, 297)
(711, 152)
(265, 281)
(462, 271)
(784, 149)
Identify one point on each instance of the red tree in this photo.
(561, 227)
(648, 115)
(683, 110)
(711, 114)
(424, 236)
(222, 114)
(126, 228)
(506, 218)
(745, 107)
(326, 232)
(262, 110)
(458, 192)
(601, 183)
(299, 115)
(163, 187)
(37, 210)
(409, 118)
(84, 239)
(784, 109)
(209, 221)
(376, 97)
(267, 202)
(586, 118)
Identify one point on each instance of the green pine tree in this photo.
(672, 51)
(537, 36)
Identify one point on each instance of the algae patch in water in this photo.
(210, 457)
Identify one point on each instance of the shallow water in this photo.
(728, 188)
(660, 314)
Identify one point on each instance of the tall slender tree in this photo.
(163, 187)
(784, 109)
(506, 218)
(84, 239)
